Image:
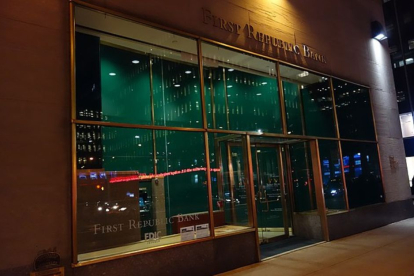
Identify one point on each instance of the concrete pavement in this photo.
(387, 251)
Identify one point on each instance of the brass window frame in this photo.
(206, 131)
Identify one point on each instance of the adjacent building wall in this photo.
(35, 155)
(35, 150)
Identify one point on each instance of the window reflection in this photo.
(88, 78)
(333, 187)
(293, 107)
(308, 103)
(362, 172)
(116, 77)
(137, 188)
(121, 200)
(125, 89)
(229, 182)
(111, 197)
(177, 100)
(241, 91)
(353, 108)
(302, 177)
(178, 151)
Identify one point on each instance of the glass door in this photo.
(270, 192)
(283, 186)
(270, 186)
(233, 190)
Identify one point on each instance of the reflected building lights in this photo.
(244, 98)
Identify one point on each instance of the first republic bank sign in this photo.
(210, 19)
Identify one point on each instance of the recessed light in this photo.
(176, 85)
(188, 72)
(135, 61)
(230, 70)
(112, 74)
(264, 83)
(380, 37)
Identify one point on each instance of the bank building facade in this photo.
(184, 137)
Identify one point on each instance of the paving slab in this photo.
(384, 251)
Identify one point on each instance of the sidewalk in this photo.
(388, 250)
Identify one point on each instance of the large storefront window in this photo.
(110, 196)
(362, 173)
(241, 91)
(308, 103)
(353, 108)
(137, 188)
(124, 201)
(141, 176)
(150, 78)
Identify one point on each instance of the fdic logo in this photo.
(152, 236)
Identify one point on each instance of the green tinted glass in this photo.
(125, 88)
(293, 107)
(229, 182)
(241, 91)
(136, 188)
(215, 98)
(177, 100)
(318, 107)
(127, 149)
(308, 103)
(181, 154)
(253, 102)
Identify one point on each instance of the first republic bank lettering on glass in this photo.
(235, 28)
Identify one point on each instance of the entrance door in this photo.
(270, 192)
(283, 175)
(270, 187)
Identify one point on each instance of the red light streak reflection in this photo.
(143, 176)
